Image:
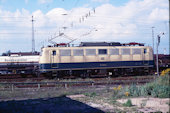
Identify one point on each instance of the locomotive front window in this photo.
(125, 51)
(114, 51)
(66, 52)
(78, 52)
(136, 51)
(102, 51)
(90, 52)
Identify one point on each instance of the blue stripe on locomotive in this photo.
(88, 65)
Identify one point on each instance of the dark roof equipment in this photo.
(100, 44)
(132, 44)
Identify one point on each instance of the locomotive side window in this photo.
(90, 52)
(54, 52)
(136, 51)
(114, 51)
(102, 51)
(125, 51)
(78, 52)
(66, 52)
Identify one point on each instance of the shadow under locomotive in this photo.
(61, 104)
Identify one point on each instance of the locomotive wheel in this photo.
(24, 75)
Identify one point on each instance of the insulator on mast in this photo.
(94, 10)
(86, 15)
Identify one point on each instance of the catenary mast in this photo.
(33, 40)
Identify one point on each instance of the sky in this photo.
(75, 21)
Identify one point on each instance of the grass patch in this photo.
(159, 88)
(91, 94)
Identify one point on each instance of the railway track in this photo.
(36, 82)
(19, 78)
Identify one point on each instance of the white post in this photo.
(153, 38)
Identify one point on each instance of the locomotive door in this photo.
(53, 58)
(145, 56)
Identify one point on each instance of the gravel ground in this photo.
(150, 104)
(74, 100)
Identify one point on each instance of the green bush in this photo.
(134, 91)
(159, 88)
(147, 89)
(1, 86)
(163, 80)
(128, 103)
(143, 91)
(120, 94)
(161, 91)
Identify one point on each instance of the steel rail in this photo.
(67, 84)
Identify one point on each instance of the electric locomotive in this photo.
(92, 58)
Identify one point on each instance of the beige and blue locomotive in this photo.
(89, 59)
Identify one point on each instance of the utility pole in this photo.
(153, 39)
(33, 40)
(169, 27)
(157, 66)
(157, 44)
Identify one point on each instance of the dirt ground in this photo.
(140, 104)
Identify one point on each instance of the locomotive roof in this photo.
(100, 44)
(91, 44)
(76, 47)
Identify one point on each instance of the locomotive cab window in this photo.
(54, 52)
(90, 52)
(102, 51)
(78, 52)
(145, 51)
(66, 52)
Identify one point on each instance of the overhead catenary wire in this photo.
(64, 28)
